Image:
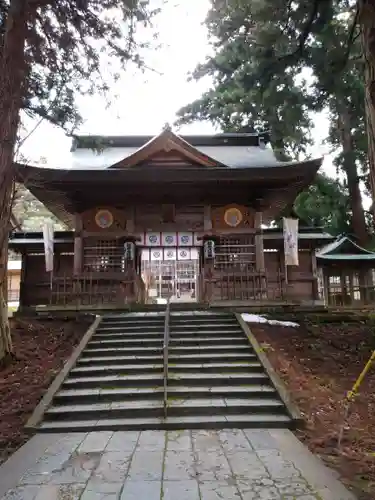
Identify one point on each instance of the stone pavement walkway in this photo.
(180, 465)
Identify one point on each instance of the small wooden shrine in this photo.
(347, 273)
(168, 216)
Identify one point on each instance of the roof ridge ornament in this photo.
(167, 127)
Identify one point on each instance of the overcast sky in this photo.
(146, 101)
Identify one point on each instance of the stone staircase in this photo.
(215, 378)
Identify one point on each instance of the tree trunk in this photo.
(12, 81)
(367, 22)
(351, 171)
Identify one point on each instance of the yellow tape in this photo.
(350, 395)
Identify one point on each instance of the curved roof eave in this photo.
(346, 256)
(302, 169)
(328, 250)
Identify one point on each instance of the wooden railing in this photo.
(350, 296)
(165, 357)
(91, 290)
(257, 286)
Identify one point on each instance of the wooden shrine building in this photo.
(169, 215)
(348, 273)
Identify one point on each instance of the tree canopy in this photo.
(51, 52)
(325, 204)
(70, 48)
(266, 75)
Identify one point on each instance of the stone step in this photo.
(107, 360)
(157, 335)
(127, 335)
(156, 380)
(206, 349)
(158, 368)
(149, 318)
(113, 351)
(224, 391)
(205, 326)
(245, 421)
(111, 381)
(202, 357)
(76, 396)
(79, 396)
(151, 359)
(141, 341)
(211, 379)
(202, 318)
(134, 316)
(173, 342)
(126, 409)
(131, 328)
(211, 334)
(215, 379)
(223, 367)
(201, 341)
(134, 319)
(122, 369)
(173, 350)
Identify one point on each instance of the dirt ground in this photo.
(41, 348)
(319, 362)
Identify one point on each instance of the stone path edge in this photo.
(46, 400)
(323, 479)
(279, 385)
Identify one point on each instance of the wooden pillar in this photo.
(130, 220)
(207, 222)
(21, 297)
(314, 270)
(78, 244)
(281, 274)
(327, 289)
(363, 282)
(259, 250)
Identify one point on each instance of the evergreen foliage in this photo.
(273, 63)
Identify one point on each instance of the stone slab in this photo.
(157, 465)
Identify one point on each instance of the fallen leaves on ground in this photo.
(41, 348)
(319, 363)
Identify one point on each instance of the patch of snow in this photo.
(256, 318)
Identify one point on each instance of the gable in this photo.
(167, 150)
(344, 248)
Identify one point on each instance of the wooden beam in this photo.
(130, 220)
(78, 244)
(207, 223)
(21, 298)
(259, 251)
(315, 275)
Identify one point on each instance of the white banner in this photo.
(169, 239)
(152, 239)
(185, 239)
(184, 254)
(145, 254)
(170, 254)
(48, 245)
(197, 242)
(140, 239)
(290, 227)
(194, 254)
(157, 254)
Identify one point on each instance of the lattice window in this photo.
(236, 253)
(103, 256)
